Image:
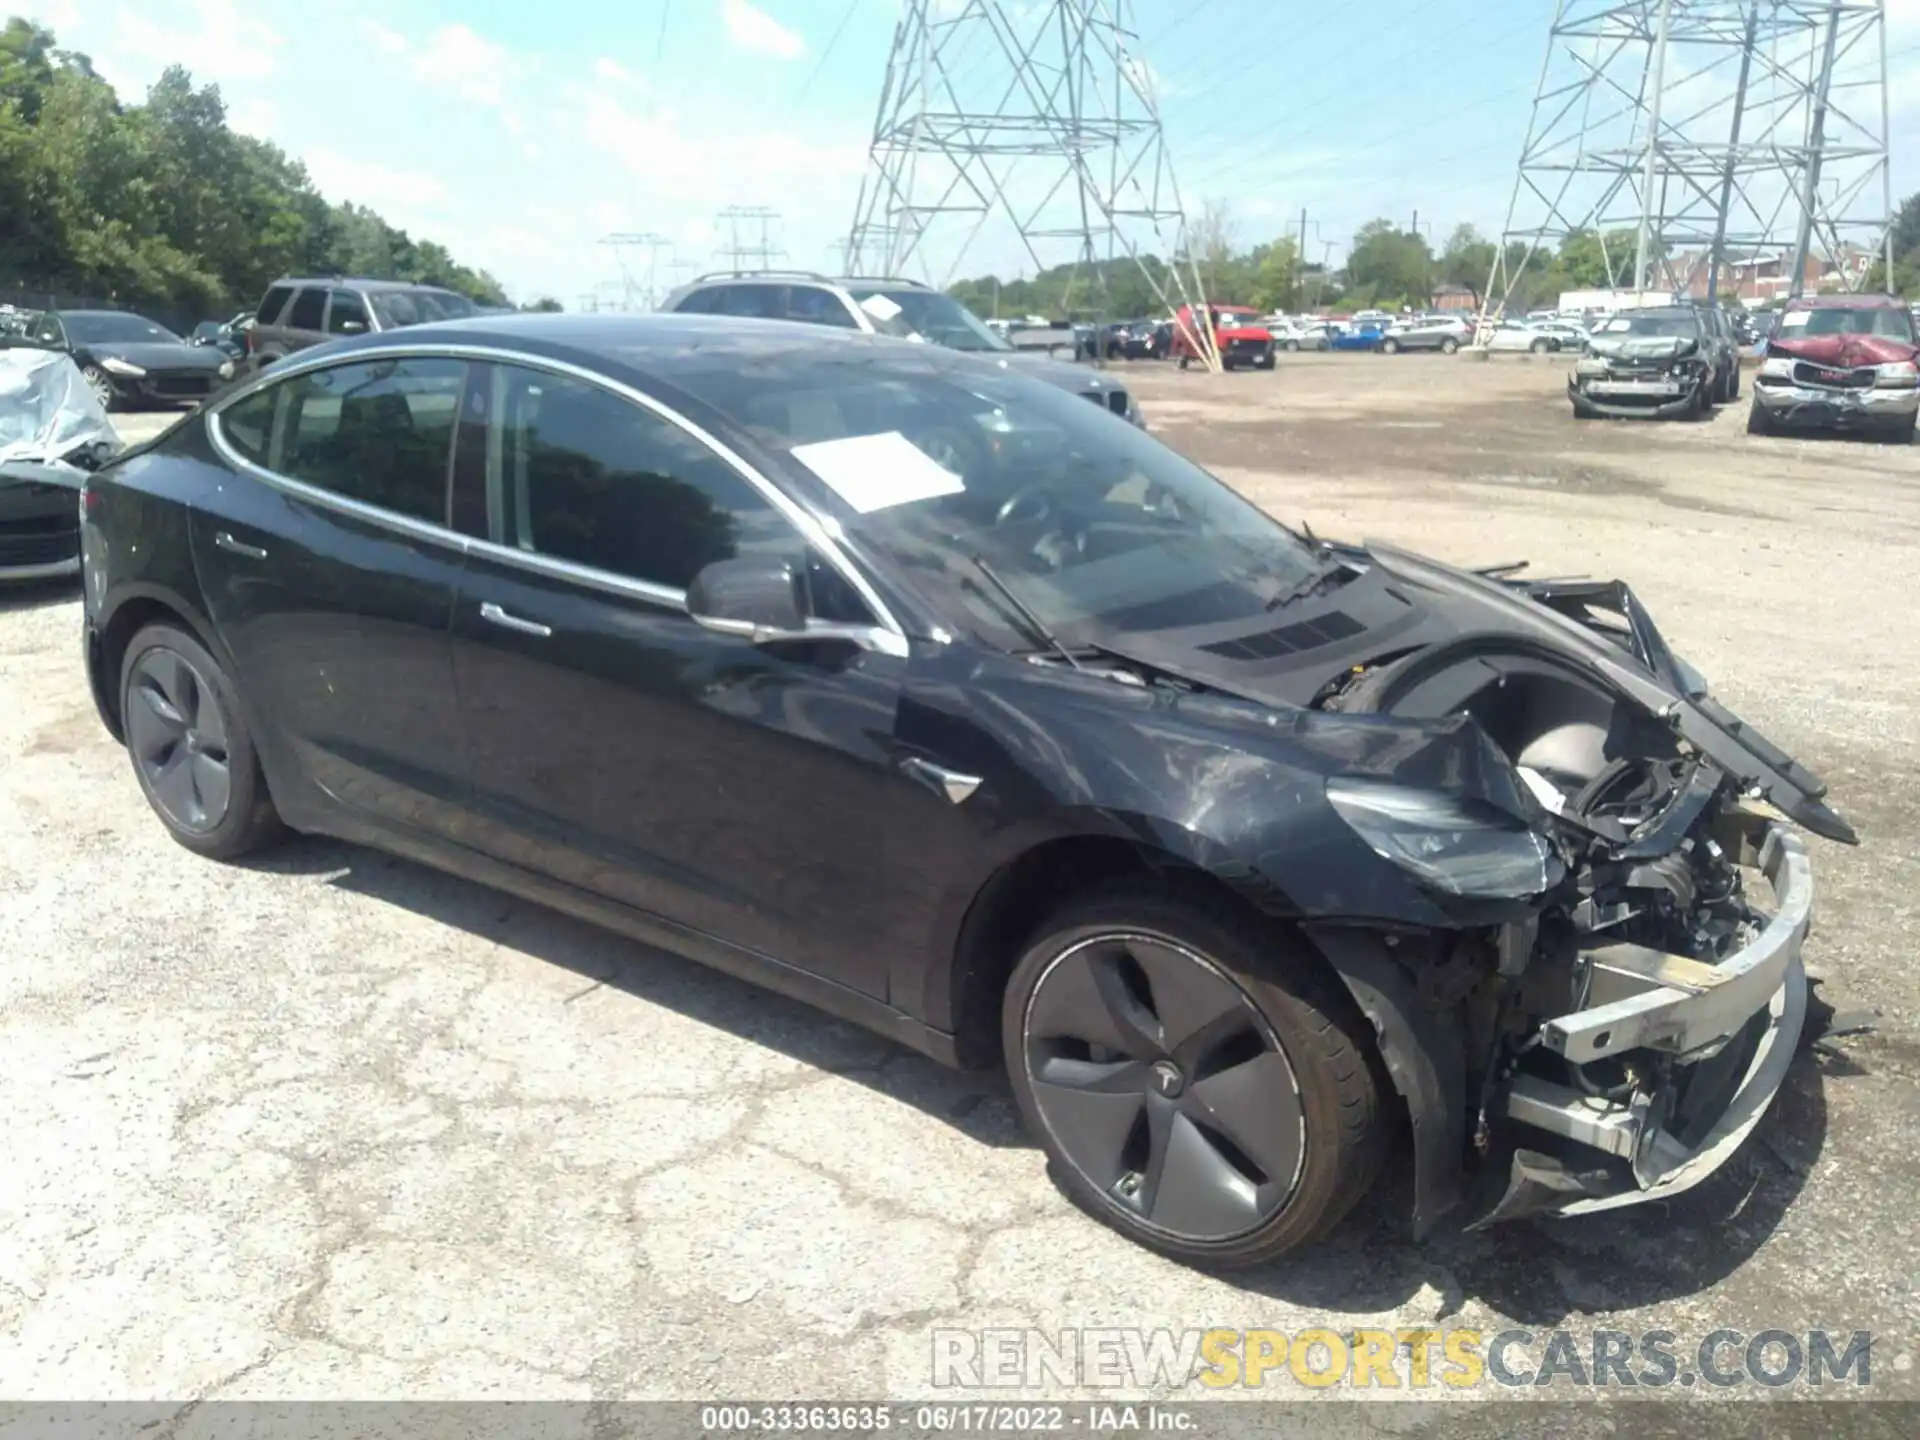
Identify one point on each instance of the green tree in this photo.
(1393, 267)
(1468, 260)
(162, 205)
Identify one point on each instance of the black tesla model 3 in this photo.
(958, 706)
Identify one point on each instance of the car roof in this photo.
(652, 349)
(357, 284)
(1846, 302)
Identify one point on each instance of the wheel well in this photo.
(129, 620)
(1014, 902)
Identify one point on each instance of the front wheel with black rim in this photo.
(191, 749)
(1199, 1082)
(100, 386)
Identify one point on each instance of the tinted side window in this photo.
(380, 433)
(700, 302)
(347, 308)
(581, 474)
(762, 302)
(309, 306)
(247, 425)
(818, 307)
(275, 302)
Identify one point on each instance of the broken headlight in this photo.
(1776, 367)
(1451, 845)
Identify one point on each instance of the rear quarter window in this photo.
(275, 302)
(309, 308)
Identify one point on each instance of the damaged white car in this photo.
(53, 433)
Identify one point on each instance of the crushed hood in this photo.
(1643, 347)
(1843, 351)
(1402, 603)
(46, 410)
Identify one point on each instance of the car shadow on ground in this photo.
(1538, 1272)
(38, 594)
(977, 1103)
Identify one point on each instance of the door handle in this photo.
(225, 541)
(494, 615)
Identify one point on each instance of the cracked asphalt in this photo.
(335, 1126)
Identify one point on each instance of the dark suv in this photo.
(299, 313)
(885, 305)
(1662, 362)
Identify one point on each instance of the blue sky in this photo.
(519, 132)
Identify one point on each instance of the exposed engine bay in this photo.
(1658, 846)
(1607, 996)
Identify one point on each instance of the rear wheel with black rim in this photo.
(191, 749)
(1198, 1082)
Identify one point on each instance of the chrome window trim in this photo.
(891, 637)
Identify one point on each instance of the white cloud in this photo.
(470, 65)
(218, 41)
(753, 29)
(613, 72)
(711, 164)
(407, 198)
(384, 38)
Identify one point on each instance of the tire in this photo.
(1449, 345)
(101, 386)
(1759, 422)
(1293, 347)
(1900, 432)
(1185, 360)
(1266, 362)
(1541, 347)
(190, 746)
(1389, 347)
(1297, 1158)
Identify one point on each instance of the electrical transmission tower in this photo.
(1696, 138)
(642, 292)
(1039, 115)
(744, 253)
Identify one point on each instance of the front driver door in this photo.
(747, 793)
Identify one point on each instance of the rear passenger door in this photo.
(329, 568)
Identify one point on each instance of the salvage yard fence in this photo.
(27, 297)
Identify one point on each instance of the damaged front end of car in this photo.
(1623, 1028)
(1641, 377)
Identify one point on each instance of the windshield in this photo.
(85, 329)
(927, 315)
(1887, 322)
(1098, 528)
(398, 308)
(1660, 326)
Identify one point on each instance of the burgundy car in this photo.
(1840, 362)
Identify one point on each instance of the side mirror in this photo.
(763, 599)
(755, 597)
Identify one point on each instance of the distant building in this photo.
(1454, 297)
(1763, 276)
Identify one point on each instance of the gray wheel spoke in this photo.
(152, 726)
(1118, 1077)
(173, 788)
(1072, 1004)
(212, 784)
(1187, 998)
(1256, 1106)
(1092, 1127)
(208, 723)
(1197, 1191)
(169, 672)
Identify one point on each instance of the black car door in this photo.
(330, 569)
(744, 792)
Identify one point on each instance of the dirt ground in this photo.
(338, 1126)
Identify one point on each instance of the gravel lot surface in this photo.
(338, 1126)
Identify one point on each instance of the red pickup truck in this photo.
(1840, 362)
(1238, 332)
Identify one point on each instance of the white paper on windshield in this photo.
(1795, 319)
(880, 308)
(873, 472)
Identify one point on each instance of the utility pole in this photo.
(1300, 262)
(748, 256)
(653, 244)
(1816, 137)
(1712, 128)
(1647, 211)
(1040, 116)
